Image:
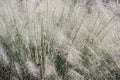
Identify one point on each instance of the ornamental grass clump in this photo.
(58, 40)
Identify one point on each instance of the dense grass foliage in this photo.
(59, 40)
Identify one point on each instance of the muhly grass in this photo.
(59, 40)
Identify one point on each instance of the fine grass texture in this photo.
(59, 40)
